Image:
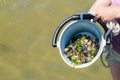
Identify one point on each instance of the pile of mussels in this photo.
(81, 50)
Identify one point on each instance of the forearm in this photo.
(98, 4)
(116, 10)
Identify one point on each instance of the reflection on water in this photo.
(26, 30)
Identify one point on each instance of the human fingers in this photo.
(99, 16)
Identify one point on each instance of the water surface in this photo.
(26, 31)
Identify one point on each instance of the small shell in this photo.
(69, 54)
(93, 40)
(83, 48)
(67, 49)
(74, 57)
(83, 37)
(86, 45)
(83, 59)
(86, 41)
(71, 45)
(93, 44)
(89, 43)
(79, 61)
(89, 48)
(88, 59)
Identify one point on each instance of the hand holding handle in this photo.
(78, 17)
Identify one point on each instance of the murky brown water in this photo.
(26, 30)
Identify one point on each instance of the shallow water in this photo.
(26, 31)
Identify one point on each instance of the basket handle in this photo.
(78, 17)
